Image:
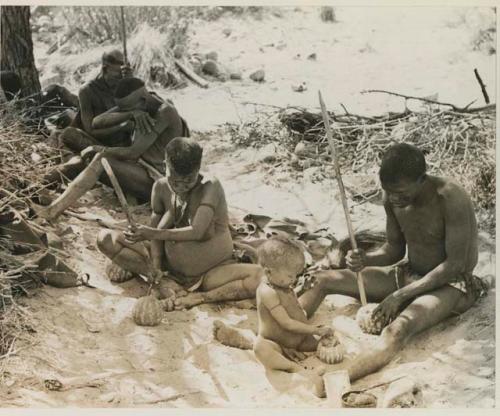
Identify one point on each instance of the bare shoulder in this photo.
(451, 193)
(84, 89)
(211, 181)
(160, 185)
(160, 195)
(166, 112)
(267, 295)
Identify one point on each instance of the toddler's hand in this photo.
(323, 330)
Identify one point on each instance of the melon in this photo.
(117, 274)
(147, 311)
(365, 321)
(330, 350)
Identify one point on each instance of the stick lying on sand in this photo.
(354, 245)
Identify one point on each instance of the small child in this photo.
(283, 326)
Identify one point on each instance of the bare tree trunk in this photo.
(17, 47)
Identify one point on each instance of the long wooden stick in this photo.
(119, 192)
(124, 35)
(131, 221)
(354, 245)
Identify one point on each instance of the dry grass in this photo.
(24, 159)
(149, 49)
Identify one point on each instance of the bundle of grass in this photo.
(103, 24)
(151, 54)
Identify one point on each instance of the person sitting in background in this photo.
(95, 98)
(136, 166)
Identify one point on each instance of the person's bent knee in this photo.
(260, 350)
(251, 283)
(107, 244)
(68, 135)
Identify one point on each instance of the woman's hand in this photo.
(140, 233)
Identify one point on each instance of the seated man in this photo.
(135, 166)
(189, 236)
(431, 217)
(95, 98)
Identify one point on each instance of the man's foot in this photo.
(44, 212)
(188, 301)
(233, 337)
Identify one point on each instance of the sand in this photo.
(86, 338)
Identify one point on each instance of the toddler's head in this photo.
(282, 260)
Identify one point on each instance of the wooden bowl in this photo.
(369, 400)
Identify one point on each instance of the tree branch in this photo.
(465, 109)
(483, 87)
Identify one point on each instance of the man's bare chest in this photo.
(424, 224)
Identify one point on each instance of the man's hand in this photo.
(128, 126)
(355, 259)
(143, 121)
(139, 233)
(127, 71)
(387, 310)
(90, 151)
(323, 331)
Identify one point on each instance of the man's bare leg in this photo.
(132, 177)
(230, 282)
(76, 139)
(379, 283)
(84, 182)
(423, 313)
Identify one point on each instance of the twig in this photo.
(429, 101)
(169, 398)
(382, 384)
(483, 87)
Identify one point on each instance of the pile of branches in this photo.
(25, 158)
(458, 142)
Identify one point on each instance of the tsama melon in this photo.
(147, 311)
(330, 350)
(365, 321)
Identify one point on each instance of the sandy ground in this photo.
(86, 337)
